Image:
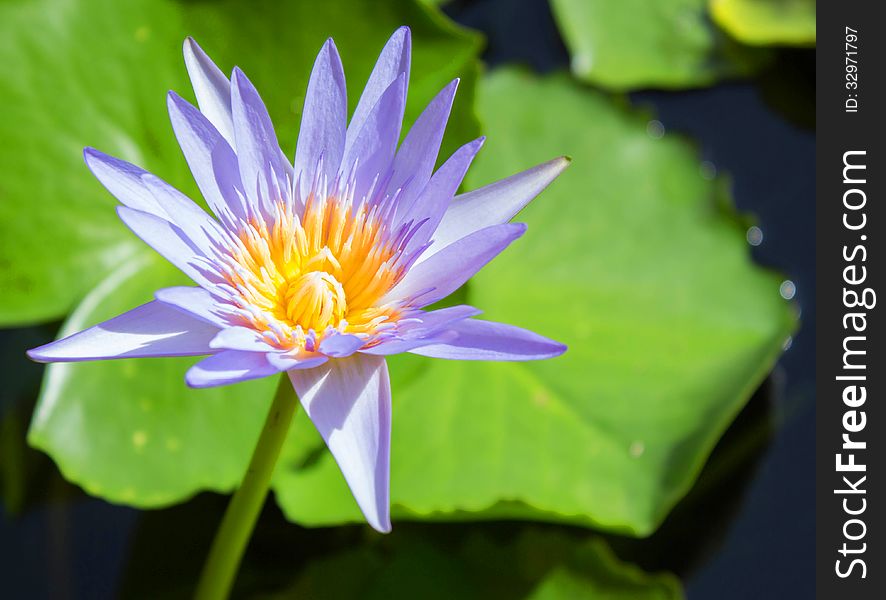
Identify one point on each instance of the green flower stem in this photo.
(240, 517)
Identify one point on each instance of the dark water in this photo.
(745, 531)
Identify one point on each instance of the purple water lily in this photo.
(320, 268)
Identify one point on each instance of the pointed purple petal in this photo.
(212, 88)
(194, 301)
(422, 330)
(284, 361)
(446, 271)
(123, 180)
(229, 366)
(167, 239)
(374, 145)
(435, 320)
(349, 401)
(400, 345)
(437, 195)
(324, 119)
(227, 175)
(417, 155)
(493, 204)
(241, 338)
(339, 345)
(152, 329)
(197, 225)
(488, 340)
(257, 148)
(198, 139)
(392, 63)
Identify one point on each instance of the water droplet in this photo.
(637, 449)
(708, 170)
(787, 289)
(755, 236)
(655, 129)
(582, 62)
(787, 344)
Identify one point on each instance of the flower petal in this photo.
(417, 155)
(258, 152)
(194, 301)
(227, 175)
(123, 180)
(212, 88)
(324, 119)
(373, 147)
(427, 322)
(152, 329)
(400, 345)
(492, 204)
(349, 401)
(229, 366)
(488, 340)
(166, 238)
(446, 271)
(284, 361)
(423, 329)
(437, 195)
(198, 139)
(241, 338)
(196, 224)
(392, 63)
(339, 345)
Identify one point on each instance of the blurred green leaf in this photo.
(418, 560)
(595, 573)
(767, 22)
(95, 72)
(635, 261)
(633, 44)
(536, 564)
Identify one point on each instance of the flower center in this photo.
(289, 274)
(314, 300)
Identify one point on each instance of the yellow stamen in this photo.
(328, 269)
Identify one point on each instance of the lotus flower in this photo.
(322, 267)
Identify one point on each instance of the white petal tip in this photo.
(91, 155)
(193, 380)
(37, 355)
(239, 78)
(192, 50)
(382, 528)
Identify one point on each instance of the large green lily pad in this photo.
(632, 44)
(95, 73)
(635, 261)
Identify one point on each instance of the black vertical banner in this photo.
(851, 372)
